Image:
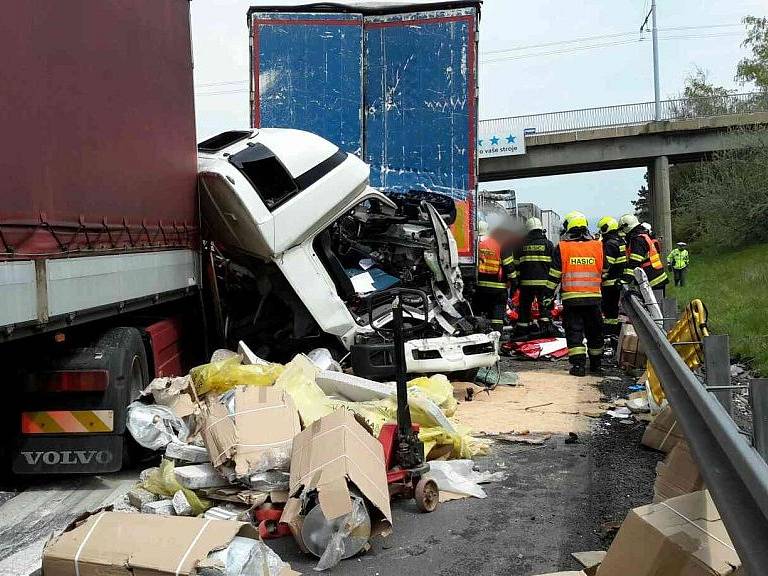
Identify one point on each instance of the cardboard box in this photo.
(664, 432)
(258, 436)
(683, 535)
(331, 454)
(629, 349)
(677, 475)
(117, 543)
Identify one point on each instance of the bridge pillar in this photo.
(661, 202)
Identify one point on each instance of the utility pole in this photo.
(656, 88)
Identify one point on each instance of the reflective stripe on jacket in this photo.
(489, 267)
(678, 259)
(582, 269)
(642, 252)
(533, 258)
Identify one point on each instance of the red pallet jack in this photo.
(403, 451)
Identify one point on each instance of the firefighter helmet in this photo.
(607, 224)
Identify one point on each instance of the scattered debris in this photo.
(137, 497)
(187, 453)
(491, 376)
(459, 479)
(99, 544)
(538, 406)
(589, 559)
(737, 370)
(621, 413)
(333, 459)
(678, 474)
(663, 433)
(552, 348)
(693, 519)
(196, 476)
(249, 431)
(162, 507)
(155, 426)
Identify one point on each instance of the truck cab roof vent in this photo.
(223, 140)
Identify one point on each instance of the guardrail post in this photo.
(669, 311)
(717, 359)
(758, 400)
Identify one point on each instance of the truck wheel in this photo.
(129, 375)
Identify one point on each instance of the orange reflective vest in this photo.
(489, 270)
(582, 269)
(654, 256)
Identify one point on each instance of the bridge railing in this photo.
(629, 114)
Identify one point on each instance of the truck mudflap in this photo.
(68, 454)
(442, 354)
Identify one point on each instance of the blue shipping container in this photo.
(399, 90)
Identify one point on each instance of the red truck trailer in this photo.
(98, 221)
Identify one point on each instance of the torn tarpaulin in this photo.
(542, 348)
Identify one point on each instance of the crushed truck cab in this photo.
(298, 240)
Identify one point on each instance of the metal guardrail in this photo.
(734, 472)
(629, 114)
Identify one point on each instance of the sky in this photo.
(527, 78)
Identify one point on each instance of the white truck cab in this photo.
(299, 240)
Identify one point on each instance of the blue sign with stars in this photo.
(500, 142)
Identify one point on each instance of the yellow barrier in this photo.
(691, 327)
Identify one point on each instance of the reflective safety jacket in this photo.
(533, 258)
(678, 259)
(490, 271)
(577, 265)
(614, 258)
(642, 251)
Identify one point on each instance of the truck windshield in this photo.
(266, 174)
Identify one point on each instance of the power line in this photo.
(605, 45)
(600, 37)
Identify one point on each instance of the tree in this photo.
(754, 69)
(700, 98)
(724, 201)
(642, 204)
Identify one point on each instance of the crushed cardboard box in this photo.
(332, 453)
(630, 349)
(258, 436)
(683, 535)
(664, 432)
(116, 543)
(678, 474)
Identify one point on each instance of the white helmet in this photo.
(647, 227)
(533, 224)
(628, 222)
(482, 228)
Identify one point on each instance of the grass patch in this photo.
(734, 287)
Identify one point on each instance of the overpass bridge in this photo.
(626, 136)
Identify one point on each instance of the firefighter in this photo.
(614, 273)
(532, 260)
(568, 216)
(492, 278)
(678, 262)
(643, 252)
(577, 265)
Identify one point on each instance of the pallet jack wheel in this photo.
(427, 495)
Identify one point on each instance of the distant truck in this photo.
(394, 83)
(108, 275)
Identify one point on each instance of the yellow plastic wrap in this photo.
(438, 442)
(163, 483)
(439, 390)
(298, 379)
(218, 377)
(691, 327)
